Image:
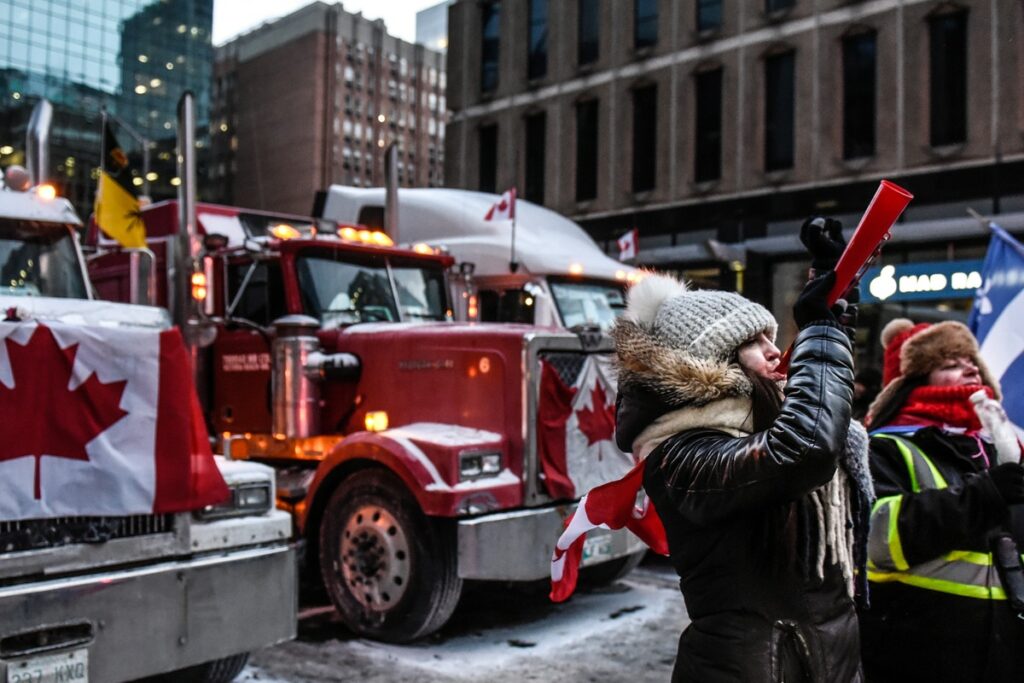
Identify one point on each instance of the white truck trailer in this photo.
(556, 275)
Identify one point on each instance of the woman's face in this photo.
(761, 356)
(955, 372)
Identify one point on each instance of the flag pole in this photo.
(513, 265)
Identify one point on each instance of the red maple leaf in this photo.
(598, 422)
(43, 416)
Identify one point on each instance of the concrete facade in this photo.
(676, 217)
(313, 99)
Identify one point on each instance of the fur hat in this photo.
(680, 342)
(915, 350)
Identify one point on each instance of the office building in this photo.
(716, 126)
(313, 99)
(133, 57)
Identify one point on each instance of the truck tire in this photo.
(609, 572)
(218, 671)
(391, 572)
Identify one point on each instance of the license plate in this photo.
(596, 549)
(68, 667)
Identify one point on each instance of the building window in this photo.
(778, 111)
(948, 35)
(589, 31)
(489, 158)
(537, 41)
(489, 44)
(777, 5)
(708, 132)
(535, 148)
(709, 15)
(645, 137)
(859, 56)
(645, 23)
(586, 150)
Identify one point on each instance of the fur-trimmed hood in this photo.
(677, 377)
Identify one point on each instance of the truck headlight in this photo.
(479, 464)
(245, 499)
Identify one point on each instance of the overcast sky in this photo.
(231, 17)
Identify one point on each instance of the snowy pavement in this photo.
(627, 631)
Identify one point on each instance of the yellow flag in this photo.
(118, 214)
(117, 206)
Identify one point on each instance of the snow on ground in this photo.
(628, 631)
(557, 636)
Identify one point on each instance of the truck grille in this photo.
(568, 364)
(51, 533)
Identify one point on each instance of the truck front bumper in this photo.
(517, 546)
(156, 618)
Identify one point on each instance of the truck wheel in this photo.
(609, 572)
(218, 671)
(391, 572)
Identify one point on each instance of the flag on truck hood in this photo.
(504, 208)
(100, 421)
(117, 204)
(996, 320)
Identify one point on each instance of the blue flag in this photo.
(997, 319)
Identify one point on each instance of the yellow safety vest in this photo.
(960, 572)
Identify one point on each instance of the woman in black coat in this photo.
(758, 490)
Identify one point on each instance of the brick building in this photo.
(313, 99)
(715, 126)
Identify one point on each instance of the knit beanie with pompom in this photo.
(706, 324)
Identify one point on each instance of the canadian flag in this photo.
(629, 244)
(504, 208)
(609, 506)
(100, 421)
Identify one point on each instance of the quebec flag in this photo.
(996, 320)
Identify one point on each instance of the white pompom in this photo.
(646, 296)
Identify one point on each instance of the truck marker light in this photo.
(365, 236)
(199, 286)
(46, 192)
(283, 231)
(575, 269)
(382, 239)
(376, 421)
(484, 364)
(472, 311)
(423, 248)
(620, 275)
(348, 233)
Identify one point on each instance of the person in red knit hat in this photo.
(945, 571)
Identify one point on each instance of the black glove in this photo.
(811, 306)
(823, 238)
(845, 312)
(1009, 479)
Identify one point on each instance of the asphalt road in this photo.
(624, 632)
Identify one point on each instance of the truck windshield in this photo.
(39, 259)
(347, 292)
(589, 303)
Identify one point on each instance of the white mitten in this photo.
(997, 424)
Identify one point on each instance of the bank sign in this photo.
(921, 281)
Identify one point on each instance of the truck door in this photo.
(253, 298)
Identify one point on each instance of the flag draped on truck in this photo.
(100, 421)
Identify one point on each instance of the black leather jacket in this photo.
(731, 507)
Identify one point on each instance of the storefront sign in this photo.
(921, 281)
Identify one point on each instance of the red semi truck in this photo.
(415, 452)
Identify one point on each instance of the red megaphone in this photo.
(886, 206)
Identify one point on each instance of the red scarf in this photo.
(931, 406)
